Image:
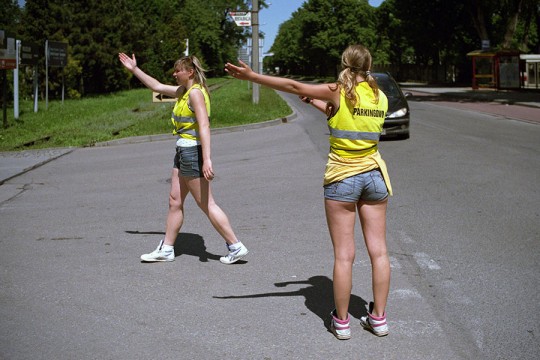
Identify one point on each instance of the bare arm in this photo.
(196, 99)
(317, 104)
(130, 63)
(325, 92)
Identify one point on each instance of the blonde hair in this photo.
(192, 63)
(356, 60)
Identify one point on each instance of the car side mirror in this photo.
(408, 94)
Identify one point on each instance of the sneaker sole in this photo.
(341, 337)
(155, 260)
(338, 336)
(370, 329)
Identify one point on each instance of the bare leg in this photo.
(175, 216)
(373, 220)
(202, 193)
(341, 217)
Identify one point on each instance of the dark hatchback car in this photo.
(397, 119)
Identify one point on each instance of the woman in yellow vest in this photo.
(355, 180)
(192, 167)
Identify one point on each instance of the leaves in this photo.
(155, 30)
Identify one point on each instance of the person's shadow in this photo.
(186, 244)
(319, 298)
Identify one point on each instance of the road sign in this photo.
(157, 97)
(57, 53)
(29, 53)
(244, 55)
(241, 18)
(8, 55)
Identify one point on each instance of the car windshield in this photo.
(388, 87)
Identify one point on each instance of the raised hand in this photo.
(129, 63)
(242, 72)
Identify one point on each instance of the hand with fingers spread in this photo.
(242, 72)
(129, 63)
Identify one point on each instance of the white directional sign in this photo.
(241, 18)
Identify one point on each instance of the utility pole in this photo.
(255, 46)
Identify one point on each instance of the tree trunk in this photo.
(511, 25)
(477, 14)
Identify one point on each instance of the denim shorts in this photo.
(368, 186)
(189, 161)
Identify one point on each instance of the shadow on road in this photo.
(318, 297)
(186, 244)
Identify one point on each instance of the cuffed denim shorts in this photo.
(368, 186)
(189, 161)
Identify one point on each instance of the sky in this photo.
(278, 12)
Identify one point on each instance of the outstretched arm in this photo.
(130, 63)
(317, 104)
(325, 92)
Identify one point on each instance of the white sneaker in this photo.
(377, 325)
(340, 328)
(159, 254)
(234, 255)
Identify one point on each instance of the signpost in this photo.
(241, 18)
(29, 53)
(8, 60)
(55, 56)
(30, 56)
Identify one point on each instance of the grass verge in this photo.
(90, 120)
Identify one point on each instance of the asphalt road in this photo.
(462, 231)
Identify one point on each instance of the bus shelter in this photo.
(495, 69)
(531, 76)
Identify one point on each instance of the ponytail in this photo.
(356, 60)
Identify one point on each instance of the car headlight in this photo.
(400, 113)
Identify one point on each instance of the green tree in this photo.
(10, 16)
(318, 33)
(507, 24)
(288, 56)
(213, 36)
(155, 30)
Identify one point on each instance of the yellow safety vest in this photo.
(183, 116)
(354, 137)
(355, 131)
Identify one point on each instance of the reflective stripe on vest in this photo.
(354, 135)
(185, 120)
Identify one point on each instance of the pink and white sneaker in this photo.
(340, 328)
(377, 325)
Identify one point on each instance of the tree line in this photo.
(96, 30)
(427, 33)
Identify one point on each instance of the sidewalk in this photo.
(524, 97)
